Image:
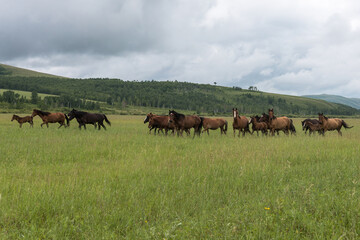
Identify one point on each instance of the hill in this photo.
(352, 102)
(7, 70)
(196, 98)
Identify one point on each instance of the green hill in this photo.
(352, 102)
(199, 98)
(7, 70)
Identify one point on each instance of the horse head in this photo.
(71, 114)
(271, 113)
(35, 112)
(235, 112)
(148, 117)
(13, 117)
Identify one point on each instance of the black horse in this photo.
(84, 118)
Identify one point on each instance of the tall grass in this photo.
(125, 183)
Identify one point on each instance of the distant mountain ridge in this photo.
(352, 102)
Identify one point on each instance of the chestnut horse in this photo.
(159, 122)
(48, 117)
(258, 126)
(240, 122)
(213, 124)
(22, 120)
(331, 124)
(183, 122)
(280, 123)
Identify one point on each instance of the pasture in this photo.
(124, 183)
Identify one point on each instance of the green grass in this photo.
(125, 183)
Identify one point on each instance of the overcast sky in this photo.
(292, 46)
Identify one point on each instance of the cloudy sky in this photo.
(293, 47)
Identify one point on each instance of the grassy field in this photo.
(125, 183)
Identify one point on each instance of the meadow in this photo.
(126, 184)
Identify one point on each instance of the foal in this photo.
(22, 120)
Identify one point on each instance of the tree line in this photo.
(199, 98)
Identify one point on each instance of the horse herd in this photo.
(83, 118)
(174, 121)
(267, 123)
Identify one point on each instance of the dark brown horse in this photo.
(240, 123)
(213, 124)
(306, 125)
(258, 126)
(314, 127)
(159, 122)
(183, 122)
(22, 120)
(48, 117)
(84, 118)
(331, 124)
(280, 123)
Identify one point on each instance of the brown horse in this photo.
(280, 123)
(213, 124)
(258, 126)
(331, 124)
(48, 117)
(159, 122)
(183, 122)
(22, 120)
(240, 122)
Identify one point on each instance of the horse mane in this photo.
(177, 115)
(42, 112)
(79, 113)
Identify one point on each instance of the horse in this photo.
(280, 123)
(48, 117)
(240, 123)
(213, 124)
(314, 127)
(159, 122)
(331, 124)
(84, 118)
(258, 126)
(306, 125)
(22, 120)
(183, 122)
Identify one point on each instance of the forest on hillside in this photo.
(200, 98)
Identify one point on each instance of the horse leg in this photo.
(20, 125)
(102, 124)
(339, 132)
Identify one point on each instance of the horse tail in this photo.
(106, 120)
(201, 124)
(292, 127)
(67, 120)
(226, 126)
(345, 124)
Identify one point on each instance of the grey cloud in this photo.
(297, 47)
